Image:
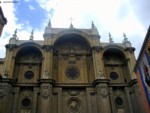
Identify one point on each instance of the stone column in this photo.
(112, 100)
(46, 96)
(88, 93)
(34, 104)
(139, 104)
(6, 96)
(9, 61)
(97, 61)
(47, 62)
(102, 96)
(60, 100)
(129, 103)
(15, 103)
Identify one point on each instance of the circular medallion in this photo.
(26, 102)
(74, 105)
(72, 73)
(114, 76)
(29, 75)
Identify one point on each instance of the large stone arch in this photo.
(115, 63)
(27, 44)
(114, 48)
(84, 35)
(28, 63)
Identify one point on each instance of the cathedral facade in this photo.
(70, 71)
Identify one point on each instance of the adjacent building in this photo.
(69, 71)
(142, 69)
(3, 21)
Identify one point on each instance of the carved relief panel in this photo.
(74, 101)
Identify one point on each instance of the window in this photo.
(29, 75)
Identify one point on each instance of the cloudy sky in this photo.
(115, 16)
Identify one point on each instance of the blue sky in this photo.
(30, 13)
(114, 16)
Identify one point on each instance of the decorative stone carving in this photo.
(72, 72)
(2, 91)
(45, 92)
(103, 91)
(46, 73)
(74, 105)
(47, 48)
(27, 93)
(73, 92)
(6, 74)
(100, 75)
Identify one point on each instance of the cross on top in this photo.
(71, 19)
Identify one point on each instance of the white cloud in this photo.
(114, 16)
(31, 7)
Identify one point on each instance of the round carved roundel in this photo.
(119, 101)
(74, 105)
(72, 72)
(26, 102)
(113, 75)
(29, 75)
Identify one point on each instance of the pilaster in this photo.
(129, 105)
(88, 93)
(15, 103)
(34, 108)
(46, 96)
(5, 97)
(47, 62)
(97, 60)
(102, 96)
(9, 61)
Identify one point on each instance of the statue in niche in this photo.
(46, 73)
(100, 75)
(6, 73)
(74, 106)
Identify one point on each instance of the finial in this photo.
(149, 28)
(125, 38)
(71, 19)
(93, 24)
(49, 23)
(31, 37)
(71, 26)
(110, 38)
(15, 34)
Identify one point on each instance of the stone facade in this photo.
(70, 71)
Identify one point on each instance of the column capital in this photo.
(48, 47)
(97, 48)
(10, 47)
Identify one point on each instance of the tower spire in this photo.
(110, 38)
(125, 38)
(15, 34)
(48, 28)
(93, 24)
(71, 19)
(31, 37)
